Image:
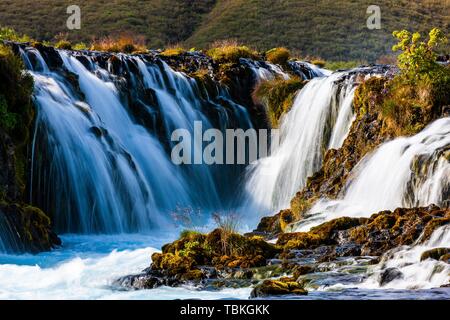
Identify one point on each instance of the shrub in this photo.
(80, 46)
(416, 96)
(230, 51)
(278, 56)
(278, 96)
(63, 44)
(418, 58)
(8, 34)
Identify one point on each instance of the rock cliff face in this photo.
(24, 227)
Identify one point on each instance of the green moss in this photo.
(319, 62)
(231, 53)
(63, 44)
(172, 52)
(278, 56)
(278, 96)
(16, 111)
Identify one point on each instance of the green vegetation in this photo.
(63, 44)
(8, 34)
(16, 88)
(16, 112)
(333, 30)
(343, 65)
(173, 51)
(278, 96)
(278, 56)
(125, 44)
(418, 93)
(230, 52)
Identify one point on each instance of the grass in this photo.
(278, 56)
(230, 51)
(123, 43)
(343, 65)
(333, 30)
(278, 96)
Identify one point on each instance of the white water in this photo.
(320, 119)
(384, 180)
(86, 269)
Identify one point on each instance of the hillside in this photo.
(334, 30)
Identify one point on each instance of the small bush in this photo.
(63, 44)
(8, 34)
(80, 46)
(278, 56)
(416, 96)
(230, 52)
(278, 96)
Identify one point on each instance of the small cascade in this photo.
(320, 119)
(410, 269)
(406, 172)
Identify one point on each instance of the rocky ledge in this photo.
(296, 261)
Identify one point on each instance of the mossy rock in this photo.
(281, 287)
(436, 254)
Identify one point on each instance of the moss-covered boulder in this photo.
(281, 287)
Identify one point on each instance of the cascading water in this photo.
(412, 273)
(319, 120)
(102, 144)
(406, 172)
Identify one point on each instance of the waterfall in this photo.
(101, 151)
(406, 172)
(412, 272)
(320, 119)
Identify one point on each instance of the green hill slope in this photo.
(334, 30)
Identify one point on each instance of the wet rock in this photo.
(281, 287)
(436, 254)
(390, 275)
